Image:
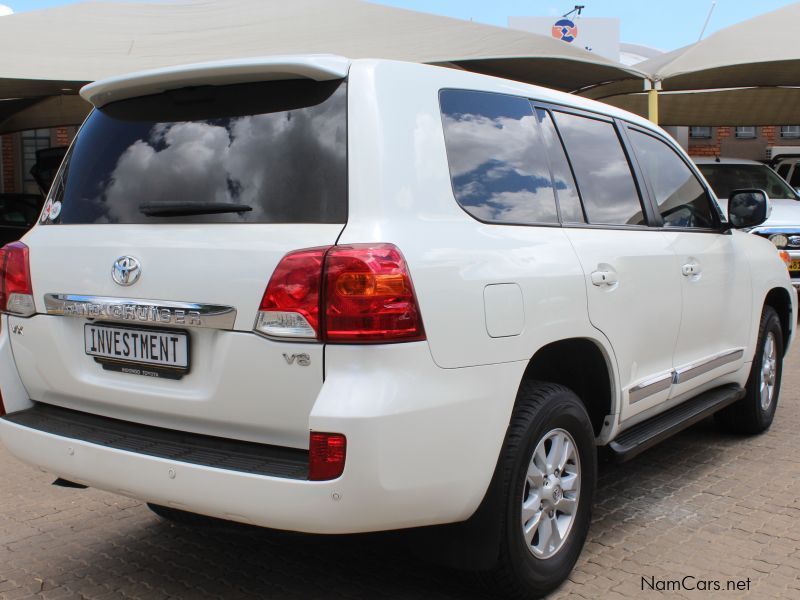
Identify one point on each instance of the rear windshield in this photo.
(272, 152)
(724, 178)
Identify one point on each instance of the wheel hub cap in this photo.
(551, 492)
(557, 494)
(769, 371)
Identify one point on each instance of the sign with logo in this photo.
(595, 34)
(565, 30)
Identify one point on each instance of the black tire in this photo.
(542, 408)
(748, 415)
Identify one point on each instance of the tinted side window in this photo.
(566, 191)
(604, 176)
(681, 199)
(498, 166)
(783, 170)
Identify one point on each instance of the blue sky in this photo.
(664, 24)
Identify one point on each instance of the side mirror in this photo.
(747, 208)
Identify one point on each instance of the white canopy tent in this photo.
(84, 42)
(745, 74)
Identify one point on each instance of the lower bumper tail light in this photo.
(326, 453)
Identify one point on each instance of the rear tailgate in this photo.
(207, 192)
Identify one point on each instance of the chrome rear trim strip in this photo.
(701, 367)
(649, 387)
(135, 310)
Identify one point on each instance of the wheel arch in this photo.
(584, 366)
(779, 299)
(447, 544)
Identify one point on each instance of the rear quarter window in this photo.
(498, 164)
(276, 149)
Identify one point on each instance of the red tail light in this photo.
(369, 296)
(16, 291)
(356, 293)
(326, 455)
(290, 306)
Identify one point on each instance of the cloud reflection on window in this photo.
(238, 161)
(288, 163)
(603, 173)
(499, 170)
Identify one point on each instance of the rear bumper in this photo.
(422, 444)
(269, 501)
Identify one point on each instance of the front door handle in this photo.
(690, 269)
(607, 278)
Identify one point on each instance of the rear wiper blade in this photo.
(177, 209)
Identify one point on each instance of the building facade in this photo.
(18, 155)
(741, 142)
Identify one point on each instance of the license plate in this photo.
(154, 352)
(794, 265)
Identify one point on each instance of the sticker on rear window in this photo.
(46, 211)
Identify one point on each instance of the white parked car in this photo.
(786, 162)
(341, 296)
(782, 227)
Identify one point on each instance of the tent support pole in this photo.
(652, 105)
(652, 87)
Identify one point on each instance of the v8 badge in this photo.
(302, 360)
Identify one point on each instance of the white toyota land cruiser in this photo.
(338, 296)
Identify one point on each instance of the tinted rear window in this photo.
(279, 148)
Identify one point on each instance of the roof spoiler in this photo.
(319, 67)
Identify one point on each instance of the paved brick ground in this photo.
(704, 504)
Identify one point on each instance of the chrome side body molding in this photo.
(682, 374)
(132, 310)
(650, 387)
(695, 369)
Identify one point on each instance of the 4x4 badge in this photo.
(126, 270)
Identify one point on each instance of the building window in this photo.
(701, 133)
(745, 132)
(32, 140)
(790, 131)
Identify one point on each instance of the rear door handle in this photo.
(601, 278)
(690, 269)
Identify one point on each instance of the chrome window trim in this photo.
(137, 310)
(649, 387)
(695, 369)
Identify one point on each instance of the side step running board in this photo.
(648, 433)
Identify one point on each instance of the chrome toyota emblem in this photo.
(126, 270)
